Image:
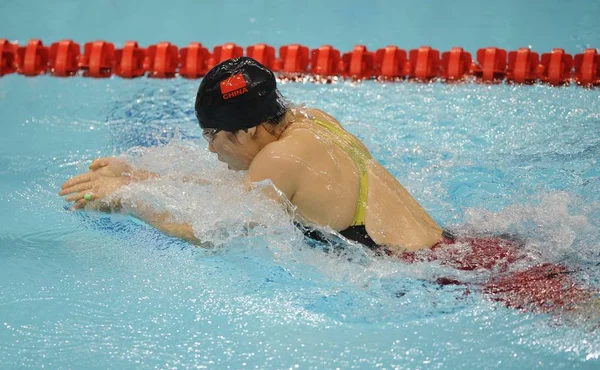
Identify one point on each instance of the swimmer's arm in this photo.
(161, 221)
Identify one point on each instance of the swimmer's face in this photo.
(236, 149)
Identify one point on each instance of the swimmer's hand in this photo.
(98, 184)
(119, 167)
(106, 176)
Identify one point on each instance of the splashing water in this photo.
(112, 290)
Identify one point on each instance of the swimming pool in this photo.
(83, 290)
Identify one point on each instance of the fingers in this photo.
(91, 205)
(99, 163)
(76, 188)
(87, 195)
(80, 204)
(79, 179)
(84, 199)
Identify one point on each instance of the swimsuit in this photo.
(361, 157)
(543, 287)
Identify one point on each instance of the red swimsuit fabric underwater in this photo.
(542, 288)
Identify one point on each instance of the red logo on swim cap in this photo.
(234, 86)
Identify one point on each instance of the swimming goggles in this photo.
(209, 134)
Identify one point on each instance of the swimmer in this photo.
(325, 172)
(331, 180)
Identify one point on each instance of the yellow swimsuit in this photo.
(360, 156)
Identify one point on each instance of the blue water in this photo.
(81, 290)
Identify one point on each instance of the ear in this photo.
(245, 136)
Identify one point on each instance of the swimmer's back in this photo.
(327, 191)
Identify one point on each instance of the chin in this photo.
(237, 167)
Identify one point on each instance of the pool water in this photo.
(88, 290)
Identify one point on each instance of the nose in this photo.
(211, 148)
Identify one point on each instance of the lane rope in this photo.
(492, 65)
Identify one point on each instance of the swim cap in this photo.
(238, 94)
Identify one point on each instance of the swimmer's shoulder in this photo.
(293, 143)
(331, 119)
(283, 155)
(320, 114)
(282, 162)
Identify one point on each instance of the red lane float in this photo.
(98, 59)
(391, 63)
(224, 52)
(557, 67)
(424, 63)
(359, 64)
(587, 68)
(292, 59)
(32, 60)
(491, 65)
(64, 56)
(455, 64)
(523, 66)
(325, 61)
(263, 53)
(193, 60)
(130, 60)
(8, 57)
(162, 60)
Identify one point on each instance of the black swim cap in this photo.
(238, 94)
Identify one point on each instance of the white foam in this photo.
(196, 189)
(222, 211)
(549, 225)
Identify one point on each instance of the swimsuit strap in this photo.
(360, 156)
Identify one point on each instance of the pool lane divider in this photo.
(100, 59)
